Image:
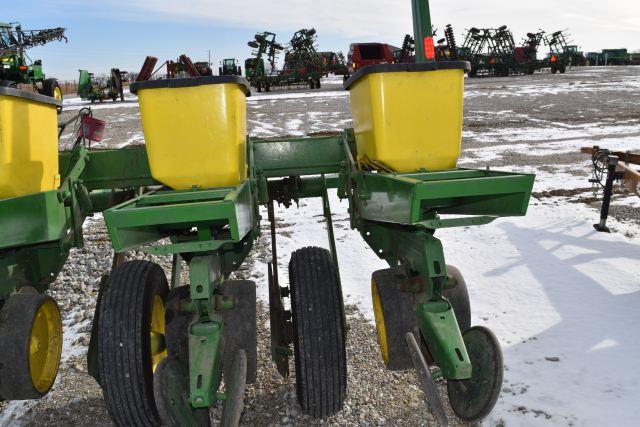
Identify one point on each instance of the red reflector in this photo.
(429, 49)
(23, 67)
(554, 59)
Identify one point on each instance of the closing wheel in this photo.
(240, 329)
(318, 331)
(171, 392)
(394, 314)
(458, 296)
(132, 341)
(31, 344)
(474, 398)
(235, 379)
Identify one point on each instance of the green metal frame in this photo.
(40, 229)
(397, 215)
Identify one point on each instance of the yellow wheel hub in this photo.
(380, 326)
(45, 346)
(158, 345)
(57, 93)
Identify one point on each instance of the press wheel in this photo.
(235, 379)
(318, 332)
(474, 398)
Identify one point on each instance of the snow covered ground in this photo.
(562, 299)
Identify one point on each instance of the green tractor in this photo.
(17, 68)
(90, 89)
(229, 67)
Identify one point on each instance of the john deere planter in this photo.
(161, 349)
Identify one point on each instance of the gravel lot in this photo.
(515, 122)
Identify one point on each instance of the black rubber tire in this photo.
(220, 71)
(17, 317)
(398, 315)
(312, 84)
(124, 348)
(235, 380)
(458, 297)
(267, 87)
(177, 324)
(318, 83)
(93, 361)
(239, 330)
(319, 332)
(48, 88)
(473, 399)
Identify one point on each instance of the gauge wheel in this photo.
(31, 343)
(394, 314)
(132, 340)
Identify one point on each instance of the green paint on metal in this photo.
(205, 333)
(298, 156)
(412, 198)
(154, 216)
(444, 340)
(421, 26)
(32, 219)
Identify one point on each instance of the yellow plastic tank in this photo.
(195, 130)
(408, 116)
(28, 143)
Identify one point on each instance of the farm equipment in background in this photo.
(204, 68)
(92, 89)
(182, 67)
(615, 57)
(447, 48)
(265, 47)
(334, 63)
(16, 67)
(526, 56)
(363, 54)
(608, 167)
(612, 57)
(406, 54)
(302, 64)
(229, 67)
(490, 51)
(562, 56)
